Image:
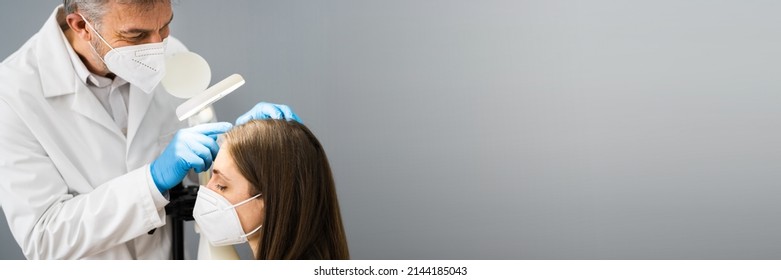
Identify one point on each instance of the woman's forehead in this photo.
(224, 163)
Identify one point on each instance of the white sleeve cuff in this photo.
(159, 200)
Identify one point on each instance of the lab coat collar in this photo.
(89, 106)
(61, 64)
(58, 75)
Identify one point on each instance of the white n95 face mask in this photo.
(218, 219)
(140, 65)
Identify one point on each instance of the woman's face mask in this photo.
(218, 219)
(140, 65)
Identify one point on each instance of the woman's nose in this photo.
(211, 184)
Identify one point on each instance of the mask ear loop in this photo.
(253, 231)
(96, 31)
(100, 37)
(244, 202)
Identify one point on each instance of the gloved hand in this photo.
(191, 148)
(265, 110)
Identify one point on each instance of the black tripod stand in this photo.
(180, 209)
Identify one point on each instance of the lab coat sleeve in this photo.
(48, 220)
(159, 200)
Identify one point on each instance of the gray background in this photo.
(603, 129)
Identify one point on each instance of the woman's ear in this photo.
(261, 206)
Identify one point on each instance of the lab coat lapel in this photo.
(59, 78)
(86, 104)
(139, 104)
(56, 69)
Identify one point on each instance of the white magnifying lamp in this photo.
(187, 76)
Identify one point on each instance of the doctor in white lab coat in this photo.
(77, 141)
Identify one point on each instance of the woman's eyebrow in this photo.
(218, 172)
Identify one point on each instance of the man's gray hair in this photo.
(95, 9)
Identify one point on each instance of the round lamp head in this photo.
(187, 74)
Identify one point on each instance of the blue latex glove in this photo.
(265, 110)
(191, 148)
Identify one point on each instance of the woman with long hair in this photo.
(272, 186)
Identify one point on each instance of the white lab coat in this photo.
(72, 186)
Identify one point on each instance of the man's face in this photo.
(132, 24)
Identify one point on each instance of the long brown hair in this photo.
(286, 163)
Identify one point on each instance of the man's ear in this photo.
(79, 26)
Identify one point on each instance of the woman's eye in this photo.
(221, 187)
